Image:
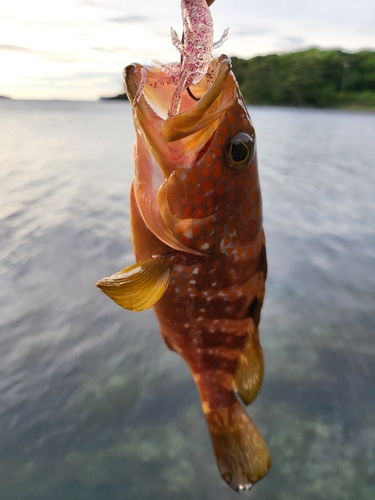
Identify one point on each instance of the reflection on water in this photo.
(93, 406)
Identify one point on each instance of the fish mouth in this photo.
(175, 141)
(167, 144)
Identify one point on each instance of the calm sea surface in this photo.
(92, 404)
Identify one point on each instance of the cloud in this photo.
(111, 50)
(294, 41)
(251, 30)
(102, 49)
(15, 48)
(47, 56)
(128, 19)
(80, 78)
(60, 57)
(102, 4)
(92, 3)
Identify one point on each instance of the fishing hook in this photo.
(188, 88)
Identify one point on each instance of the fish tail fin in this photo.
(241, 453)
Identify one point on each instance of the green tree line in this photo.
(310, 78)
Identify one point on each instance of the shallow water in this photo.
(92, 404)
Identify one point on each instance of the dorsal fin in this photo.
(141, 285)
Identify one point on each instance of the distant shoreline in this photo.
(119, 97)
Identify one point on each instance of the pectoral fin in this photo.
(141, 285)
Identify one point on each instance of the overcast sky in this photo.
(76, 49)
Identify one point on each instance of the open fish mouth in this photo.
(196, 119)
(166, 145)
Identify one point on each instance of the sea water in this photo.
(92, 404)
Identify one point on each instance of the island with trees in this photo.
(309, 78)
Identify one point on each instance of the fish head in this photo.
(196, 178)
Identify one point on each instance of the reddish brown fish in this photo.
(196, 219)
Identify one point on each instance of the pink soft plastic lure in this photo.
(195, 49)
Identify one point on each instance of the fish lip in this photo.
(129, 81)
(199, 116)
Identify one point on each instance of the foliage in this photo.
(311, 78)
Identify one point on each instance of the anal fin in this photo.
(140, 286)
(249, 373)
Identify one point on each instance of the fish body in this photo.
(196, 221)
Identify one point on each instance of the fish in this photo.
(199, 245)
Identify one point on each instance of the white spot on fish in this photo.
(223, 248)
(188, 233)
(205, 246)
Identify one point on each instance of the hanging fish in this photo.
(196, 222)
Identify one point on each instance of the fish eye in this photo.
(240, 150)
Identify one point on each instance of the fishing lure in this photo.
(196, 52)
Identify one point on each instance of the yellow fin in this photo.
(141, 285)
(241, 453)
(249, 373)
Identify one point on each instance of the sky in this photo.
(76, 49)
